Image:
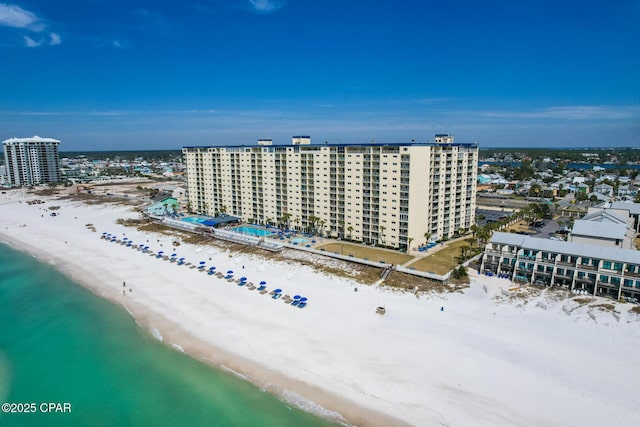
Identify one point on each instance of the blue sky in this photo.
(111, 74)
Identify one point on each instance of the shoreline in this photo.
(432, 359)
(333, 408)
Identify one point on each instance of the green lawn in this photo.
(361, 251)
(441, 262)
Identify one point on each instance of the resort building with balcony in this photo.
(31, 161)
(381, 194)
(598, 269)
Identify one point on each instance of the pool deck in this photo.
(317, 242)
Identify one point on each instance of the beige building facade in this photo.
(395, 195)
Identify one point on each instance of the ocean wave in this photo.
(177, 347)
(307, 405)
(236, 373)
(156, 333)
(128, 311)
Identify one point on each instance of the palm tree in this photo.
(463, 251)
(297, 221)
(409, 240)
(322, 222)
(427, 236)
(349, 229)
(474, 232)
(312, 223)
(285, 219)
(483, 234)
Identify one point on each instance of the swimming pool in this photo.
(252, 231)
(193, 219)
(299, 240)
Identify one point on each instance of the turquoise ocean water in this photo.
(59, 343)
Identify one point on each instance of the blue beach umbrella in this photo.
(297, 297)
(172, 255)
(243, 279)
(230, 272)
(303, 299)
(212, 268)
(263, 283)
(181, 259)
(277, 291)
(202, 262)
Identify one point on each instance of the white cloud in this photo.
(12, 15)
(266, 6)
(120, 44)
(576, 112)
(55, 39)
(29, 42)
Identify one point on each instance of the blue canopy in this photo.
(277, 291)
(263, 283)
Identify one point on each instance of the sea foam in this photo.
(305, 404)
(156, 333)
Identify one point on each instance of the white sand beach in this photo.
(486, 360)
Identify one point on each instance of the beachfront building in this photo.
(383, 194)
(31, 161)
(597, 269)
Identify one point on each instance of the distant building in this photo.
(386, 194)
(164, 206)
(604, 227)
(633, 209)
(604, 189)
(31, 161)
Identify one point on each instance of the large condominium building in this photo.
(387, 194)
(31, 161)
